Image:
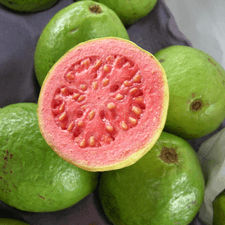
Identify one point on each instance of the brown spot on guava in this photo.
(169, 155)
(95, 9)
(161, 60)
(193, 95)
(210, 60)
(196, 105)
(41, 196)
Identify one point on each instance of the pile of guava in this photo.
(110, 117)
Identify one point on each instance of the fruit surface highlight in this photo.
(130, 11)
(197, 91)
(76, 23)
(28, 5)
(103, 104)
(32, 177)
(166, 186)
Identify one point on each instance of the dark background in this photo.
(19, 34)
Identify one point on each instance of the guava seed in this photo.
(93, 76)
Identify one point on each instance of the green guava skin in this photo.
(28, 5)
(130, 11)
(152, 191)
(33, 178)
(219, 209)
(70, 26)
(193, 75)
(6, 221)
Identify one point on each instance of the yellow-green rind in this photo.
(28, 5)
(130, 11)
(135, 156)
(193, 76)
(32, 177)
(219, 209)
(70, 26)
(7, 221)
(155, 191)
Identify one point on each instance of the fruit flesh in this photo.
(98, 95)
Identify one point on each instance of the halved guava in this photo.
(103, 105)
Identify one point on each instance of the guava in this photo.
(166, 186)
(28, 5)
(130, 11)
(7, 221)
(197, 91)
(219, 209)
(32, 177)
(76, 23)
(103, 104)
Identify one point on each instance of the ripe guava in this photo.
(6, 221)
(197, 91)
(103, 105)
(219, 209)
(32, 177)
(28, 5)
(76, 23)
(166, 186)
(130, 11)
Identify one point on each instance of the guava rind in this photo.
(130, 11)
(7, 221)
(120, 153)
(152, 191)
(33, 178)
(193, 75)
(219, 209)
(70, 26)
(28, 5)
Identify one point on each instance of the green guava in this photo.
(197, 91)
(103, 104)
(130, 11)
(28, 5)
(76, 23)
(32, 177)
(219, 209)
(166, 186)
(6, 221)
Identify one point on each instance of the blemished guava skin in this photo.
(7, 221)
(76, 23)
(130, 11)
(33, 178)
(166, 186)
(28, 5)
(219, 209)
(197, 91)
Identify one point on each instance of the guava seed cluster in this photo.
(95, 99)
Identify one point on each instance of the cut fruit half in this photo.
(103, 105)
